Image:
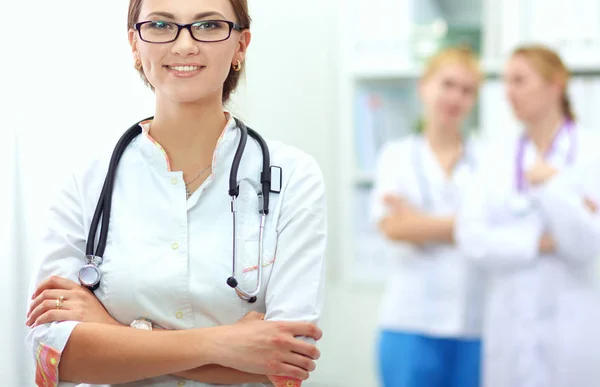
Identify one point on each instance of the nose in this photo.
(185, 44)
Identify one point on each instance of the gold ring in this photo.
(59, 302)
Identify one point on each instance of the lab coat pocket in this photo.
(248, 278)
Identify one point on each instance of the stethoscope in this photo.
(521, 203)
(568, 127)
(90, 274)
(425, 190)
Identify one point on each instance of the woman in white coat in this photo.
(531, 221)
(165, 313)
(430, 314)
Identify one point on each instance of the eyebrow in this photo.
(198, 16)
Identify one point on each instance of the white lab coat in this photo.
(433, 290)
(537, 306)
(168, 258)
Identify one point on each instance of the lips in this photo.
(185, 68)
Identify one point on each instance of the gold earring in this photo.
(237, 66)
(138, 65)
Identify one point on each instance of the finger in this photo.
(48, 294)
(590, 204)
(291, 372)
(305, 329)
(392, 200)
(52, 316)
(300, 361)
(44, 307)
(254, 316)
(55, 282)
(305, 349)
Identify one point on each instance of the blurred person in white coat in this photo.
(185, 234)
(531, 222)
(430, 314)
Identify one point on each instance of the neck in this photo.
(188, 128)
(542, 130)
(443, 138)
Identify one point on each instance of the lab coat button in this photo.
(181, 383)
(179, 315)
(175, 246)
(174, 181)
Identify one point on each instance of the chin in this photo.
(452, 121)
(189, 95)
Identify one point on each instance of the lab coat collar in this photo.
(155, 155)
(564, 149)
(433, 168)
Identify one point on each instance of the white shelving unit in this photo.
(377, 55)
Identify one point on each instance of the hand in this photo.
(275, 380)
(547, 244)
(251, 316)
(402, 217)
(591, 205)
(79, 304)
(399, 207)
(268, 347)
(540, 172)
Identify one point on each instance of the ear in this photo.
(243, 44)
(558, 87)
(133, 42)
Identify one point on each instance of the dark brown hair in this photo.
(551, 67)
(240, 8)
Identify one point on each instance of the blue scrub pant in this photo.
(412, 360)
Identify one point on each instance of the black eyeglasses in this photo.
(208, 31)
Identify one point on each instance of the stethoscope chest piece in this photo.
(89, 274)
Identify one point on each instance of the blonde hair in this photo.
(462, 55)
(551, 67)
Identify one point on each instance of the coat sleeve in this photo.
(387, 180)
(493, 242)
(574, 227)
(62, 251)
(296, 289)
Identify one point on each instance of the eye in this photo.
(160, 26)
(208, 25)
(448, 84)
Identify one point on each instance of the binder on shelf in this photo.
(382, 114)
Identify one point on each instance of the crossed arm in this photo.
(207, 355)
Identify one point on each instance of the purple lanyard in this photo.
(520, 175)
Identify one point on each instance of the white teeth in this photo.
(185, 68)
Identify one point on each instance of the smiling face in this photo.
(187, 70)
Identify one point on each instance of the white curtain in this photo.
(14, 364)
